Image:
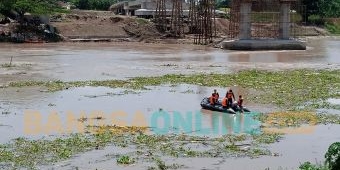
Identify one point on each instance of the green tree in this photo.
(329, 8)
(312, 8)
(31, 6)
(93, 4)
(223, 3)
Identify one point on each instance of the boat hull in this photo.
(205, 104)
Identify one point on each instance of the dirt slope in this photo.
(102, 24)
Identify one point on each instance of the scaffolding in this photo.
(160, 16)
(265, 19)
(192, 18)
(177, 24)
(205, 22)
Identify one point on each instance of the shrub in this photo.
(333, 156)
(316, 20)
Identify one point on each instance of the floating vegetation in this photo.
(286, 119)
(6, 65)
(160, 165)
(170, 65)
(22, 152)
(10, 65)
(125, 92)
(118, 129)
(189, 91)
(214, 65)
(267, 138)
(286, 89)
(125, 159)
(297, 118)
(329, 118)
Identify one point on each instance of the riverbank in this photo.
(84, 26)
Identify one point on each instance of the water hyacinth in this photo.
(286, 89)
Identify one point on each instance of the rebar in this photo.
(160, 16)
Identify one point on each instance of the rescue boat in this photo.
(205, 104)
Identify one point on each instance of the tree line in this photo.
(92, 4)
(10, 8)
(314, 8)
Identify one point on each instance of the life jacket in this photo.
(230, 95)
(240, 102)
(224, 102)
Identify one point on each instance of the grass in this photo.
(142, 21)
(271, 17)
(333, 28)
(289, 90)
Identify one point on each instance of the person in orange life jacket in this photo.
(212, 99)
(225, 102)
(217, 96)
(230, 96)
(240, 102)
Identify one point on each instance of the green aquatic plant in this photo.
(286, 89)
(125, 159)
(24, 153)
(267, 138)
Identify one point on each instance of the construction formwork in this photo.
(160, 15)
(265, 19)
(177, 24)
(205, 21)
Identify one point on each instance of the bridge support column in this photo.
(284, 31)
(245, 20)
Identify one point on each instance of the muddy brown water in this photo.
(99, 61)
(21, 109)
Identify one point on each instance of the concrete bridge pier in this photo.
(245, 41)
(245, 20)
(284, 26)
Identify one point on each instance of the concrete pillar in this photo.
(126, 8)
(284, 32)
(143, 5)
(245, 20)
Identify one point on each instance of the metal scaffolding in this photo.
(192, 18)
(205, 19)
(177, 24)
(160, 16)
